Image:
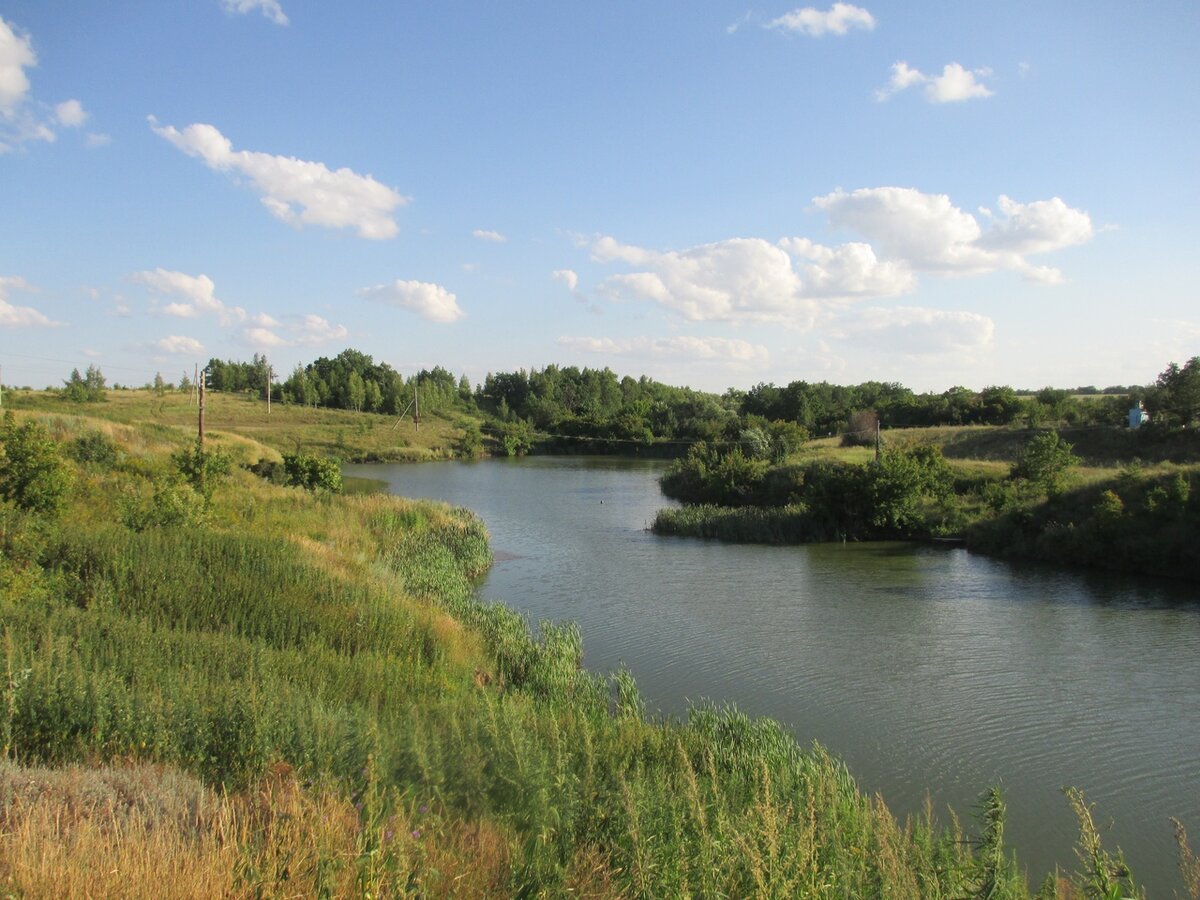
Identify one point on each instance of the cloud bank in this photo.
(13, 316)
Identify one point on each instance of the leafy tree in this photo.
(93, 447)
(185, 383)
(160, 386)
(1044, 462)
(31, 473)
(1175, 398)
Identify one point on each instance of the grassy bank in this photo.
(296, 693)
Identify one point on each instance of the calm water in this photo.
(927, 670)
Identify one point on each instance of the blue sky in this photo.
(713, 194)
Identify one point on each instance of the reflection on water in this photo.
(927, 669)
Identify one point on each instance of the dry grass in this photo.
(150, 831)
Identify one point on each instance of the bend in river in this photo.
(927, 670)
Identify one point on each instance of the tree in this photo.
(185, 383)
(1175, 398)
(32, 474)
(160, 386)
(1044, 462)
(202, 469)
(312, 472)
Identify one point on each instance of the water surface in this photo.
(927, 670)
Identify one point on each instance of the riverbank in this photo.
(315, 652)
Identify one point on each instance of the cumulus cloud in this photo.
(681, 346)
(264, 332)
(567, 277)
(180, 345)
(838, 19)
(269, 8)
(296, 191)
(927, 232)
(492, 237)
(916, 331)
(22, 118)
(955, 84)
(16, 55)
(430, 301)
(735, 280)
(848, 271)
(70, 113)
(198, 295)
(13, 316)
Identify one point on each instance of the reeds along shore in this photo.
(296, 693)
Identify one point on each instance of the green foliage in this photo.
(32, 476)
(203, 469)
(171, 503)
(89, 388)
(469, 445)
(1044, 462)
(516, 437)
(93, 447)
(1175, 399)
(312, 472)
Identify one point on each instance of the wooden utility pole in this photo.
(200, 438)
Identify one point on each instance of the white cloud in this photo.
(929, 233)
(431, 301)
(955, 84)
(838, 19)
(848, 271)
(70, 113)
(313, 329)
(567, 277)
(264, 338)
(298, 331)
(180, 345)
(493, 237)
(97, 140)
(16, 54)
(916, 331)
(681, 346)
(12, 316)
(269, 8)
(735, 280)
(197, 291)
(296, 191)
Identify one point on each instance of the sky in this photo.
(711, 194)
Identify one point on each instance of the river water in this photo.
(930, 671)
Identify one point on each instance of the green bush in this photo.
(312, 472)
(32, 475)
(94, 447)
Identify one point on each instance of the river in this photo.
(930, 671)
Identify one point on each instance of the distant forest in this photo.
(594, 406)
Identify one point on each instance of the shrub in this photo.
(312, 472)
(93, 447)
(31, 473)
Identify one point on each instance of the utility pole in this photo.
(200, 438)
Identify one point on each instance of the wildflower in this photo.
(416, 833)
